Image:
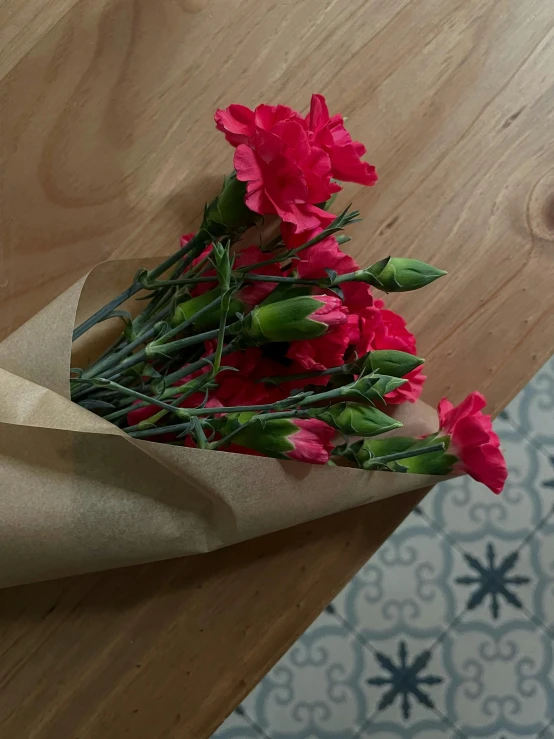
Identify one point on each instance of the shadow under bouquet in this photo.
(278, 347)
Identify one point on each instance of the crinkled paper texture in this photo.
(78, 495)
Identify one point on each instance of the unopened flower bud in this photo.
(187, 310)
(410, 452)
(303, 317)
(306, 440)
(229, 208)
(388, 362)
(395, 274)
(356, 419)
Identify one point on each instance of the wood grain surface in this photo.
(108, 148)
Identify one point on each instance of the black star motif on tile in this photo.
(493, 580)
(405, 680)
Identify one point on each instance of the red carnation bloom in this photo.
(315, 260)
(288, 161)
(344, 153)
(326, 351)
(238, 387)
(285, 175)
(313, 441)
(473, 440)
(332, 312)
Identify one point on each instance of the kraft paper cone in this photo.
(78, 495)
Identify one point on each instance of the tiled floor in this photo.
(447, 631)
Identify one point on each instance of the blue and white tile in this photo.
(533, 409)
(467, 511)
(511, 735)
(407, 587)
(236, 726)
(317, 690)
(541, 555)
(547, 733)
(408, 683)
(500, 677)
(499, 581)
(423, 730)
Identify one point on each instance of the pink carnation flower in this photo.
(313, 441)
(288, 161)
(473, 440)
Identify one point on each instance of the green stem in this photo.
(196, 244)
(141, 396)
(174, 377)
(111, 362)
(343, 369)
(405, 454)
(221, 331)
(179, 281)
(292, 280)
(195, 366)
(151, 351)
(158, 430)
(201, 440)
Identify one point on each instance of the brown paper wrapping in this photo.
(78, 495)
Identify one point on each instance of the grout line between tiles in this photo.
(531, 439)
(241, 711)
(543, 731)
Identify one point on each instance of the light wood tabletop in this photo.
(108, 149)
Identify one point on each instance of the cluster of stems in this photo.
(159, 361)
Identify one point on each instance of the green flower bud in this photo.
(269, 437)
(302, 317)
(305, 440)
(229, 209)
(187, 310)
(356, 419)
(365, 454)
(388, 362)
(395, 274)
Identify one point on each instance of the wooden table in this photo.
(108, 148)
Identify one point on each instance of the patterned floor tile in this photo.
(500, 677)
(407, 683)
(422, 730)
(317, 690)
(533, 409)
(547, 733)
(468, 512)
(541, 553)
(499, 581)
(236, 726)
(407, 586)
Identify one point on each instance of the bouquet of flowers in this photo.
(259, 336)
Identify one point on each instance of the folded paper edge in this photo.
(68, 304)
